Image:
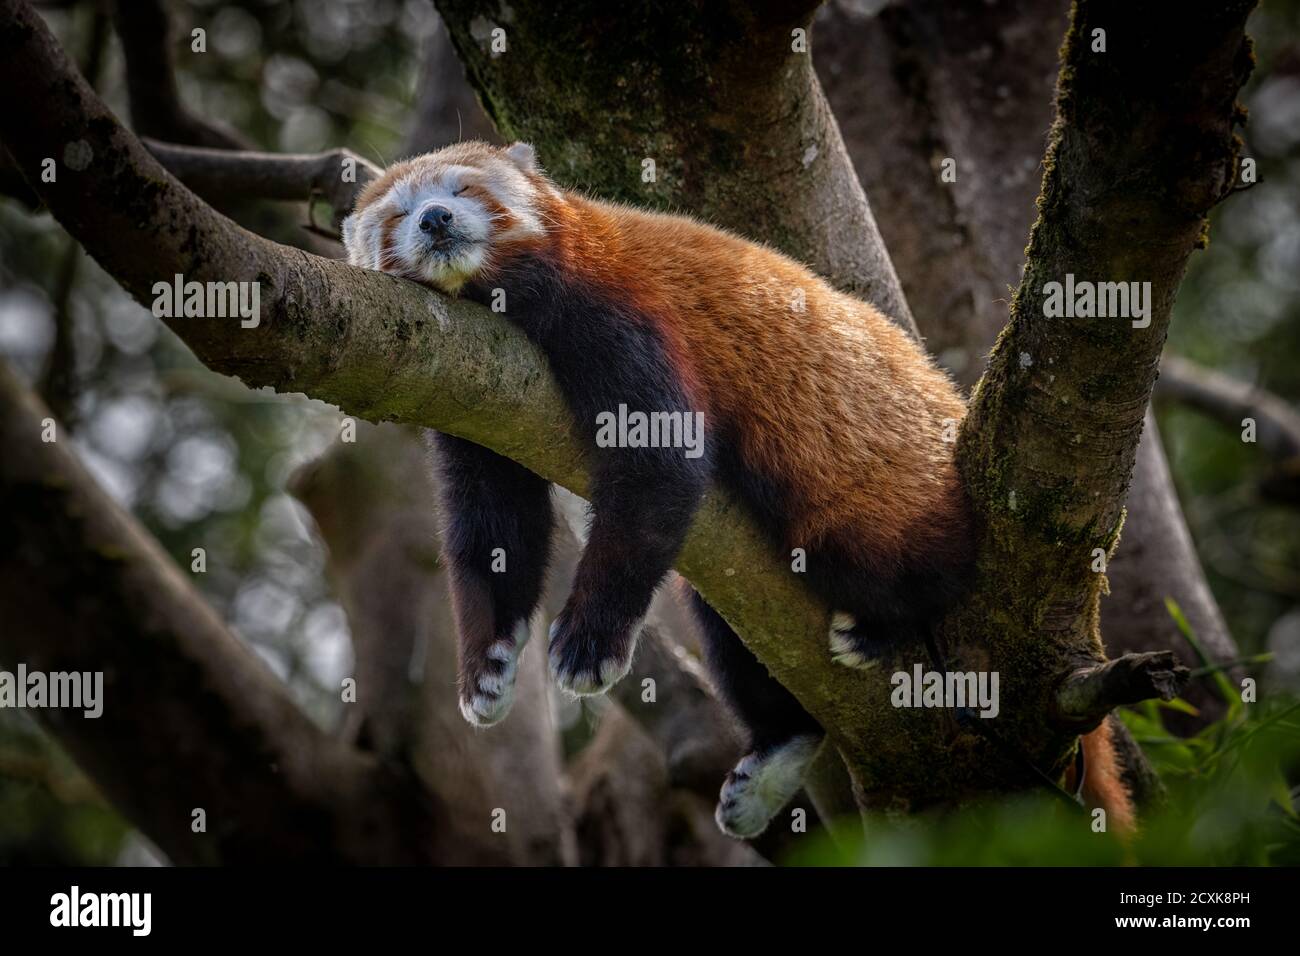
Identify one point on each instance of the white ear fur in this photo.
(523, 155)
(358, 241)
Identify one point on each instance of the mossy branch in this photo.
(1089, 694)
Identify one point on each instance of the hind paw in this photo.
(760, 785)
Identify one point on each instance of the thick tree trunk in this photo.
(717, 97)
(1051, 440)
(971, 83)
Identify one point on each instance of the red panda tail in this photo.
(1103, 785)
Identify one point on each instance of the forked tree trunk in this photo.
(1141, 150)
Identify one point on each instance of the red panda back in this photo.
(819, 389)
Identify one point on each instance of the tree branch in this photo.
(145, 29)
(1229, 401)
(972, 84)
(191, 718)
(1089, 694)
(1050, 442)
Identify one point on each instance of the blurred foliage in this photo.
(203, 462)
(49, 814)
(1230, 802)
(1238, 311)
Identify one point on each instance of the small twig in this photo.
(336, 175)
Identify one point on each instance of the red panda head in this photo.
(440, 218)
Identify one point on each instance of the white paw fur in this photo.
(494, 694)
(758, 787)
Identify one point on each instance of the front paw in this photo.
(851, 647)
(585, 660)
(487, 685)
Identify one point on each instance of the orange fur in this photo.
(831, 399)
(502, 217)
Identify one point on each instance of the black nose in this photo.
(435, 220)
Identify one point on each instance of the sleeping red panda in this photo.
(828, 420)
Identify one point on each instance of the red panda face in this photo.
(437, 218)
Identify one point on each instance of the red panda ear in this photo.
(524, 156)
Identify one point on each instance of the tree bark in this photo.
(1051, 439)
(732, 117)
(972, 83)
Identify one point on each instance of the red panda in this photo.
(830, 422)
